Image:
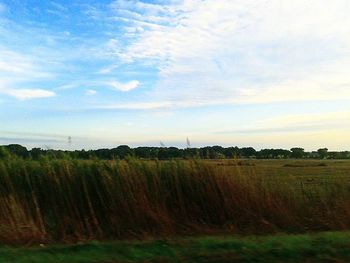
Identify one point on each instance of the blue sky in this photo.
(231, 72)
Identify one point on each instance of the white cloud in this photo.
(158, 105)
(239, 51)
(107, 70)
(139, 6)
(69, 86)
(91, 92)
(26, 94)
(137, 106)
(127, 86)
(16, 70)
(19, 65)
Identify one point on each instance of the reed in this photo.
(71, 200)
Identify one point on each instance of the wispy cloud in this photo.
(32, 134)
(107, 70)
(18, 65)
(162, 105)
(127, 86)
(9, 140)
(136, 106)
(15, 70)
(90, 92)
(240, 51)
(26, 94)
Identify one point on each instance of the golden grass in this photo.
(72, 200)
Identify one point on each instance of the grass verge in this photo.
(321, 247)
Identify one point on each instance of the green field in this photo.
(303, 169)
(325, 247)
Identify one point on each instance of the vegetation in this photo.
(71, 200)
(164, 153)
(49, 197)
(325, 247)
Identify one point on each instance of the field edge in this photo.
(315, 247)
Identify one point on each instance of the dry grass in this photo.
(72, 200)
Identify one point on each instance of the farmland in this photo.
(73, 201)
(78, 200)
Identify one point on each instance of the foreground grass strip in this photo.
(322, 247)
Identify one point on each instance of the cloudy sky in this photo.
(261, 73)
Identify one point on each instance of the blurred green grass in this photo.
(321, 247)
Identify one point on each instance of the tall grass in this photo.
(72, 200)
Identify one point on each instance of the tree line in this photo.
(164, 153)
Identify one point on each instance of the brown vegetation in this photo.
(72, 200)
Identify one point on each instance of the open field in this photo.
(305, 168)
(324, 247)
(75, 200)
(301, 173)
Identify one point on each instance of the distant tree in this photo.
(170, 153)
(191, 153)
(297, 152)
(273, 154)
(232, 152)
(204, 152)
(212, 152)
(281, 153)
(208, 152)
(35, 153)
(103, 153)
(265, 154)
(122, 151)
(143, 152)
(217, 152)
(322, 153)
(18, 150)
(248, 152)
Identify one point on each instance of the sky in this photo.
(261, 73)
